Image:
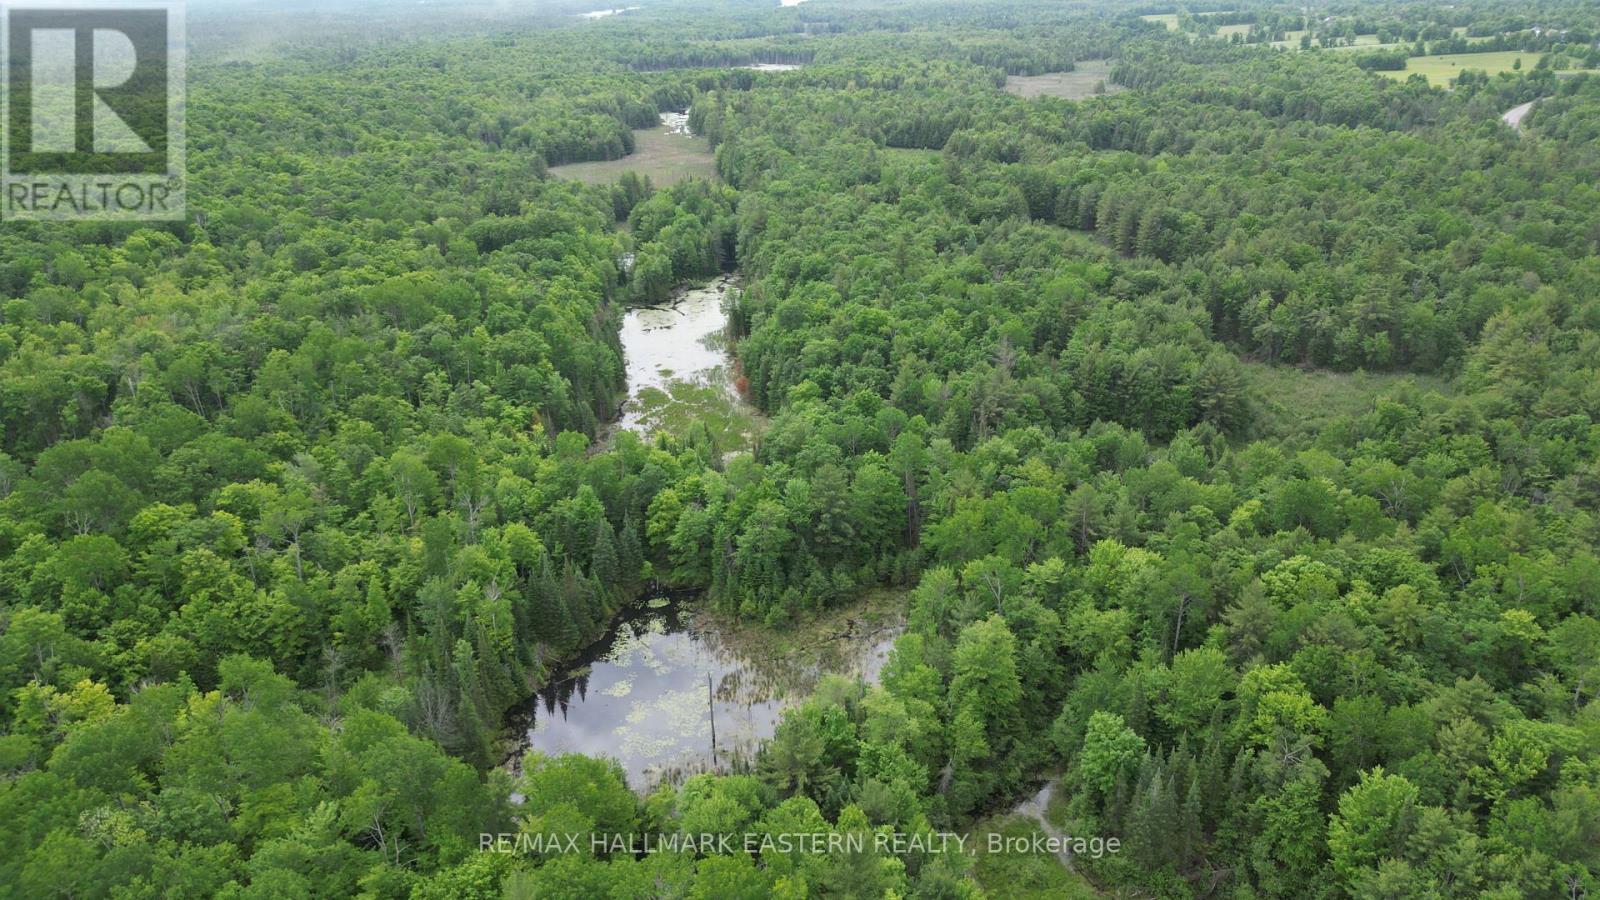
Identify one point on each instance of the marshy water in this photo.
(650, 693)
(666, 675)
(680, 372)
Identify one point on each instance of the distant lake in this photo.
(603, 13)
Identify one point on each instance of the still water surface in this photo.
(677, 359)
(647, 693)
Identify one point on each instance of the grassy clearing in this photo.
(1366, 48)
(1168, 19)
(1079, 84)
(665, 158)
(1224, 32)
(1460, 31)
(1292, 401)
(1291, 40)
(1022, 876)
(1442, 69)
(1363, 42)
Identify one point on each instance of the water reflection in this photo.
(603, 13)
(646, 693)
(681, 377)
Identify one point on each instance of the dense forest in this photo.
(1231, 433)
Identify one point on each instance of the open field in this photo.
(1075, 85)
(1168, 19)
(1368, 48)
(1224, 32)
(1460, 31)
(1362, 42)
(1291, 41)
(1294, 402)
(665, 157)
(1367, 42)
(1442, 69)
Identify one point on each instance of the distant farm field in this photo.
(1362, 42)
(1371, 48)
(1168, 19)
(1075, 85)
(665, 157)
(1441, 70)
(1460, 31)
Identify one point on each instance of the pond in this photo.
(668, 674)
(652, 691)
(680, 373)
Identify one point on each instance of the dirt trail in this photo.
(1036, 808)
(1513, 116)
